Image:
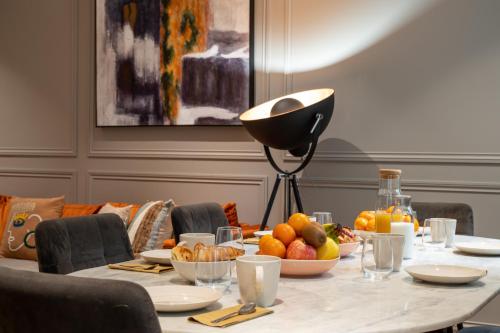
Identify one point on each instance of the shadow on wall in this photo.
(339, 186)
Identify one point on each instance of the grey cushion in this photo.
(459, 211)
(205, 217)
(25, 265)
(42, 303)
(71, 244)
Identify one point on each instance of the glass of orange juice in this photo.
(382, 221)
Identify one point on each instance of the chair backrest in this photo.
(43, 303)
(205, 217)
(71, 244)
(459, 211)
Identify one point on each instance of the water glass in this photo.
(442, 233)
(379, 255)
(323, 217)
(213, 268)
(230, 237)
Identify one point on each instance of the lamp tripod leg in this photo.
(296, 194)
(270, 203)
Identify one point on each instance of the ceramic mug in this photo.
(442, 232)
(190, 239)
(258, 278)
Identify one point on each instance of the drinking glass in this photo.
(377, 257)
(213, 268)
(230, 237)
(323, 217)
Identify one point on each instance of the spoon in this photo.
(245, 309)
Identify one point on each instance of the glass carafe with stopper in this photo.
(389, 187)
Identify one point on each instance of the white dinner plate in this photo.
(446, 274)
(260, 234)
(182, 298)
(487, 248)
(157, 256)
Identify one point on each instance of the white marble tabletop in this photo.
(342, 301)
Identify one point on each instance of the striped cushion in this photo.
(151, 226)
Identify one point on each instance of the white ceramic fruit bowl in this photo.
(348, 248)
(306, 267)
(187, 270)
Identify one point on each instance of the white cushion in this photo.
(21, 264)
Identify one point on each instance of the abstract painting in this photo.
(173, 62)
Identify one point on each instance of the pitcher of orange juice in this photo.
(389, 187)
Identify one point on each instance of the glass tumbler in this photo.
(230, 237)
(377, 257)
(213, 268)
(323, 217)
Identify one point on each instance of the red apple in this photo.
(300, 250)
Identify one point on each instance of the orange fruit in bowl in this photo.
(367, 214)
(264, 239)
(361, 223)
(298, 221)
(371, 225)
(285, 233)
(273, 247)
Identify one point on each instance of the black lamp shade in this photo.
(290, 130)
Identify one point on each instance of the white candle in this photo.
(405, 229)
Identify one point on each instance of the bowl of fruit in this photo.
(302, 245)
(344, 236)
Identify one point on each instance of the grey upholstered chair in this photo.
(459, 211)
(71, 244)
(43, 303)
(205, 217)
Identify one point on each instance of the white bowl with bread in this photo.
(184, 260)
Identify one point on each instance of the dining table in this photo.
(342, 300)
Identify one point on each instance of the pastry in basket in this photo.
(182, 253)
(203, 253)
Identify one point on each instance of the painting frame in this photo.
(251, 78)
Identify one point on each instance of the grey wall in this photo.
(416, 85)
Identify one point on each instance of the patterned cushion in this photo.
(133, 210)
(24, 215)
(122, 212)
(151, 226)
(231, 214)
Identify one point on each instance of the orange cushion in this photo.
(169, 243)
(4, 201)
(79, 210)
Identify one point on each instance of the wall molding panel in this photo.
(407, 185)
(251, 180)
(72, 150)
(403, 157)
(69, 175)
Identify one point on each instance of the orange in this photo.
(371, 225)
(298, 221)
(264, 239)
(361, 223)
(273, 247)
(390, 209)
(367, 214)
(285, 233)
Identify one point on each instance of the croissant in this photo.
(181, 253)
